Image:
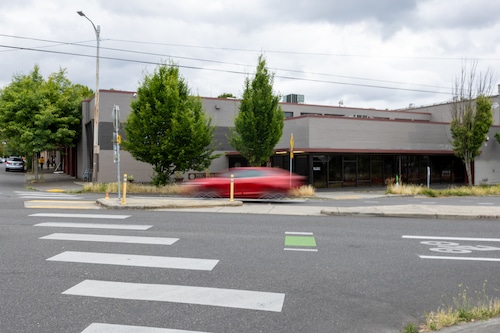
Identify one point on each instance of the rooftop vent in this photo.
(293, 98)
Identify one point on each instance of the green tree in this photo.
(259, 124)
(471, 116)
(226, 95)
(167, 127)
(39, 114)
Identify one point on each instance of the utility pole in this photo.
(95, 165)
(117, 139)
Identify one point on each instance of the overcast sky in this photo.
(365, 53)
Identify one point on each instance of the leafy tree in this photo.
(167, 127)
(259, 124)
(472, 116)
(226, 95)
(38, 114)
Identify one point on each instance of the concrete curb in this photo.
(444, 216)
(418, 211)
(487, 326)
(165, 203)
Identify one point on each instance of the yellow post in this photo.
(124, 196)
(231, 189)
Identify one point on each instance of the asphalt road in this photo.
(254, 273)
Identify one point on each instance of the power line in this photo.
(301, 52)
(58, 43)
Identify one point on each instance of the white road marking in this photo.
(112, 239)
(60, 204)
(371, 201)
(136, 260)
(460, 258)
(87, 216)
(47, 195)
(241, 299)
(298, 233)
(454, 238)
(94, 225)
(485, 203)
(297, 249)
(50, 196)
(106, 328)
(428, 202)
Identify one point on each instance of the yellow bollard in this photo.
(124, 196)
(231, 189)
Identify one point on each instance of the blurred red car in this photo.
(249, 182)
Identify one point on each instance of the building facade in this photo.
(334, 146)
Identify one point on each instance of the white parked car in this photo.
(14, 163)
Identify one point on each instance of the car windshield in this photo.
(250, 173)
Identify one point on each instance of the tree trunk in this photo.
(468, 168)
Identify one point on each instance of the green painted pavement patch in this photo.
(300, 241)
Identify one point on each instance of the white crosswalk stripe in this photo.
(85, 216)
(47, 195)
(93, 226)
(182, 294)
(106, 328)
(136, 260)
(55, 200)
(232, 298)
(112, 239)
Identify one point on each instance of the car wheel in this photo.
(273, 195)
(206, 194)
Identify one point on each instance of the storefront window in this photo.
(364, 170)
(377, 170)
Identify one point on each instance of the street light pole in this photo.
(95, 166)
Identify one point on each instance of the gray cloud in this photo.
(338, 11)
(410, 43)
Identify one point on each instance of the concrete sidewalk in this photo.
(55, 182)
(287, 207)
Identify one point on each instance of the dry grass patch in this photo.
(465, 309)
(173, 189)
(303, 191)
(135, 188)
(480, 190)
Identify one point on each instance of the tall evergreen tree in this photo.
(167, 127)
(259, 124)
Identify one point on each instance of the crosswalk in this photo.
(36, 199)
(47, 195)
(137, 291)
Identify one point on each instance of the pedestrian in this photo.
(41, 160)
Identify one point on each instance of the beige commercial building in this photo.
(335, 146)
